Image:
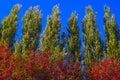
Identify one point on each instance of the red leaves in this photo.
(5, 65)
(106, 70)
(71, 71)
(38, 65)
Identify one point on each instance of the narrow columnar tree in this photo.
(112, 33)
(31, 29)
(92, 42)
(73, 44)
(0, 30)
(18, 47)
(9, 26)
(63, 42)
(51, 35)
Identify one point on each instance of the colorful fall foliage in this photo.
(24, 61)
(108, 69)
(36, 66)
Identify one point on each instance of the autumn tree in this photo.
(73, 44)
(5, 61)
(92, 42)
(31, 29)
(112, 36)
(9, 26)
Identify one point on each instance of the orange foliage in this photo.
(5, 64)
(69, 71)
(106, 70)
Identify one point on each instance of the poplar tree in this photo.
(63, 42)
(73, 43)
(9, 26)
(31, 29)
(18, 47)
(92, 43)
(51, 35)
(0, 30)
(112, 35)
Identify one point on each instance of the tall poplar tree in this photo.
(73, 44)
(31, 29)
(51, 35)
(0, 30)
(18, 47)
(112, 33)
(9, 26)
(63, 42)
(92, 43)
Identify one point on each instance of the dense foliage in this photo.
(36, 66)
(108, 69)
(60, 54)
(93, 44)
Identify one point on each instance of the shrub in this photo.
(108, 69)
(68, 71)
(5, 64)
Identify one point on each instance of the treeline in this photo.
(94, 48)
(59, 59)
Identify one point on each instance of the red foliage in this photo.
(106, 70)
(19, 71)
(36, 66)
(30, 66)
(68, 71)
(5, 65)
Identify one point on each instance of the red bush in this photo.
(30, 66)
(36, 66)
(106, 70)
(5, 64)
(68, 71)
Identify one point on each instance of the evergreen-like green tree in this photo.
(112, 33)
(9, 26)
(73, 44)
(63, 42)
(31, 29)
(18, 48)
(51, 35)
(92, 43)
(0, 30)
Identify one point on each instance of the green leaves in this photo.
(18, 47)
(31, 28)
(93, 44)
(73, 43)
(50, 37)
(112, 33)
(9, 26)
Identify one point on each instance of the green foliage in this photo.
(18, 47)
(73, 44)
(51, 36)
(63, 42)
(93, 44)
(31, 29)
(51, 63)
(112, 33)
(9, 26)
(0, 30)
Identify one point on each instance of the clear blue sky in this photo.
(66, 7)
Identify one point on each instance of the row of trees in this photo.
(38, 66)
(50, 39)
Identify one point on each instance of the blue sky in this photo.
(66, 7)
